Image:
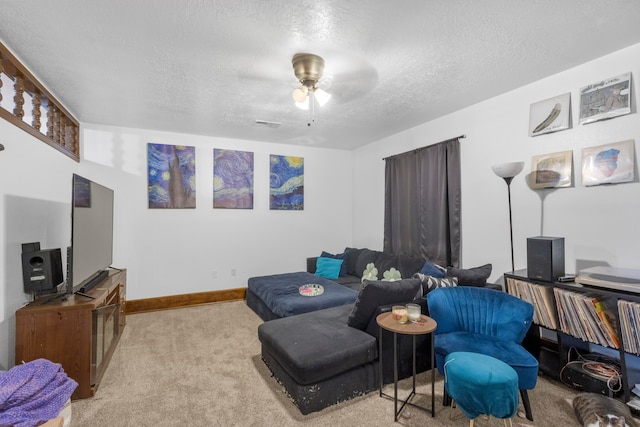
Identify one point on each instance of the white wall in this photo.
(35, 194)
(601, 225)
(177, 251)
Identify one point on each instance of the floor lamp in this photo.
(508, 171)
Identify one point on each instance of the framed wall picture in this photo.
(232, 179)
(605, 99)
(286, 186)
(553, 170)
(171, 173)
(550, 115)
(608, 164)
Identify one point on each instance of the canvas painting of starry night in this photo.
(232, 179)
(171, 176)
(286, 183)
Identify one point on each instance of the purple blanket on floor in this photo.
(33, 393)
(280, 293)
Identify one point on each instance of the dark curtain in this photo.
(422, 203)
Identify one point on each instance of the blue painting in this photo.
(287, 183)
(232, 179)
(171, 176)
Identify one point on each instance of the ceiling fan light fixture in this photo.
(308, 69)
(321, 96)
(304, 105)
(299, 94)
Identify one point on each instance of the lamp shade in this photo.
(322, 96)
(508, 170)
(300, 94)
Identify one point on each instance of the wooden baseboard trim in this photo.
(183, 300)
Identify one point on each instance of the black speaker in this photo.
(545, 258)
(41, 270)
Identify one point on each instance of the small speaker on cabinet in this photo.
(41, 269)
(545, 258)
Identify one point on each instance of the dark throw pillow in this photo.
(409, 265)
(352, 259)
(385, 262)
(376, 293)
(342, 256)
(476, 276)
(366, 256)
(429, 269)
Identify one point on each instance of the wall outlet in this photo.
(214, 274)
(233, 272)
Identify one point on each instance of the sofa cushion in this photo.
(352, 259)
(314, 346)
(343, 256)
(329, 268)
(385, 262)
(376, 293)
(476, 276)
(366, 256)
(409, 265)
(279, 293)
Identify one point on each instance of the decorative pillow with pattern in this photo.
(430, 283)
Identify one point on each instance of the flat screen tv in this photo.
(91, 251)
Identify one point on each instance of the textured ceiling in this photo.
(215, 67)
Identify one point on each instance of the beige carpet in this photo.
(201, 366)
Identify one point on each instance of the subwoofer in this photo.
(41, 269)
(545, 258)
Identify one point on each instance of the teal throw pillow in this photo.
(342, 256)
(329, 268)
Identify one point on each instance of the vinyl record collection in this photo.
(587, 317)
(540, 296)
(629, 313)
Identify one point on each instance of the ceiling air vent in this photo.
(268, 124)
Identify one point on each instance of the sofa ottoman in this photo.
(331, 355)
(276, 296)
(295, 350)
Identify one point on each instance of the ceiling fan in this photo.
(308, 69)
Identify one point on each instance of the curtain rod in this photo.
(416, 149)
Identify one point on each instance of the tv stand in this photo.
(79, 333)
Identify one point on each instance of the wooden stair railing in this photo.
(34, 108)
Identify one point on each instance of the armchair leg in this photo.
(446, 397)
(526, 404)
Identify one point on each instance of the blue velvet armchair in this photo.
(485, 321)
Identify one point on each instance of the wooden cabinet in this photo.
(79, 332)
(572, 317)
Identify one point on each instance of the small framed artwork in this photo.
(550, 115)
(286, 187)
(608, 164)
(605, 99)
(553, 170)
(232, 179)
(171, 176)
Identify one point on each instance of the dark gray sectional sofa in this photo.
(330, 355)
(357, 259)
